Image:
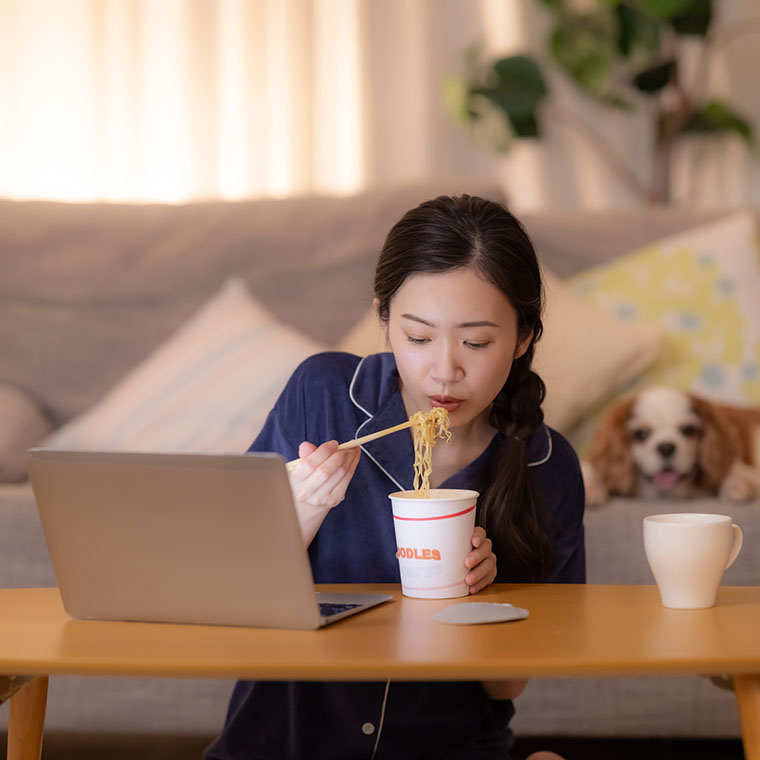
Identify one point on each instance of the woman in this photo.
(458, 292)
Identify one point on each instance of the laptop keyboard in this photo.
(330, 608)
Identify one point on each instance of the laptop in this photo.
(180, 538)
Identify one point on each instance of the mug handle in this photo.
(737, 545)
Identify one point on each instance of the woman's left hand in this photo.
(480, 562)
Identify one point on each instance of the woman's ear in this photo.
(383, 323)
(523, 344)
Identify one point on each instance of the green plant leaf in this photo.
(654, 78)
(635, 30)
(616, 101)
(695, 19)
(456, 99)
(626, 26)
(584, 46)
(717, 118)
(526, 126)
(665, 9)
(517, 88)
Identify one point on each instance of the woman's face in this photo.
(454, 336)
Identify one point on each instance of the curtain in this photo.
(175, 99)
(170, 100)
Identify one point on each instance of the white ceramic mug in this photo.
(688, 554)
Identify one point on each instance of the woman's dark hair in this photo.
(466, 232)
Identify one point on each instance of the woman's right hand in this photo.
(319, 482)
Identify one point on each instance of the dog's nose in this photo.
(666, 449)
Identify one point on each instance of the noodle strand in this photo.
(426, 427)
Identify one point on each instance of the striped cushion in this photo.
(207, 388)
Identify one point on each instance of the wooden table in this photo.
(593, 630)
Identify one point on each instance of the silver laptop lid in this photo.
(188, 538)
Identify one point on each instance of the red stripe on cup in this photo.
(433, 588)
(440, 517)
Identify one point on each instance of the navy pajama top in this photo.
(340, 396)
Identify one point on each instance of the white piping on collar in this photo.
(396, 483)
(369, 417)
(548, 453)
(351, 393)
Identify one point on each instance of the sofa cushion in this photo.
(207, 388)
(702, 288)
(584, 356)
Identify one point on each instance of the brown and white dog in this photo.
(667, 442)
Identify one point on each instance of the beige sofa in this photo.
(89, 293)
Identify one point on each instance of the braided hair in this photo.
(467, 232)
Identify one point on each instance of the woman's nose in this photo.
(447, 368)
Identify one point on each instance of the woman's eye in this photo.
(476, 343)
(416, 341)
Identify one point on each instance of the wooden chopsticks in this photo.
(359, 441)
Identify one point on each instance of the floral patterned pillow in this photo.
(702, 288)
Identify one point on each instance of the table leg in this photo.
(9, 685)
(748, 697)
(27, 720)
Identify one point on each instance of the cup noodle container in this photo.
(433, 536)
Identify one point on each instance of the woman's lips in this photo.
(449, 403)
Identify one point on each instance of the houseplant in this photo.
(623, 54)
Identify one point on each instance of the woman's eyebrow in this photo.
(417, 319)
(477, 323)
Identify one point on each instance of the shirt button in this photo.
(368, 728)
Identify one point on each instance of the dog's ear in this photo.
(720, 446)
(610, 450)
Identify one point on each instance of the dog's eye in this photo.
(640, 434)
(689, 430)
